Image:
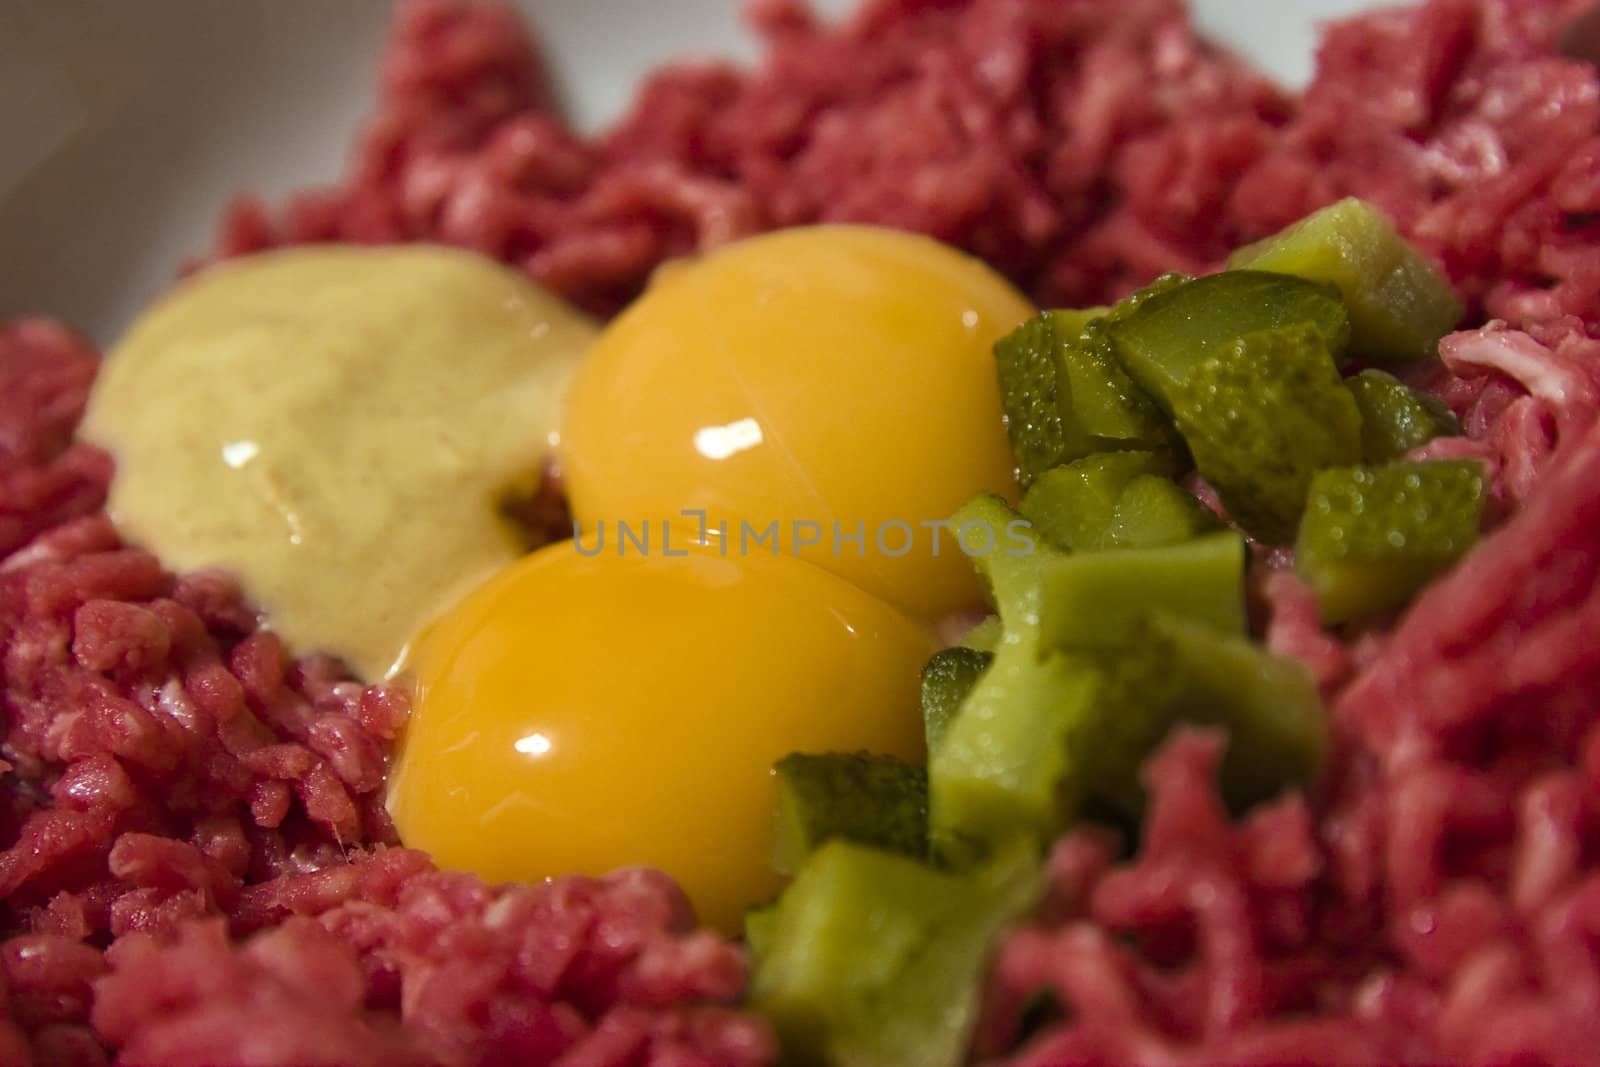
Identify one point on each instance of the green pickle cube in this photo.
(1277, 725)
(1396, 418)
(875, 960)
(1000, 767)
(1373, 536)
(1137, 694)
(1153, 511)
(876, 800)
(1170, 335)
(1040, 365)
(947, 678)
(1097, 600)
(984, 637)
(1028, 364)
(1010, 570)
(1074, 506)
(1179, 670)
(759, 924)
(1102, 398)
(1166, 283)
(1004, 767)
(1101, 653)
(1261, 415)
(1400, 304)
(1070, 322)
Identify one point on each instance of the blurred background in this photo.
(127, 125)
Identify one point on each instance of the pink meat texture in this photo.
(197, 865)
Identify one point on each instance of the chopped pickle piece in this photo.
(946, 680)
(1396, 418)
(1166, 283)
(1004, 767)
(1009, 575)
(1095, 600)
(1044, 360)
(1400, 304)
(1028, 360)
(1277, 726)
(1102, 398)
(759, 924)
(1070, 322)
(1137, 701)
(1373, 536)
(1104, 401)
(1261, 415)
(1073, 507)
(1153, 511)
(1170, 335)
(876, 800)
(876, 960)
(1096, 662)
(1000, 768)
(1177, 671)
(985, 637)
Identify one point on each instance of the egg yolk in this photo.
(579, 713)
(836, 381)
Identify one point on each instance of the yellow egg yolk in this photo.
(836, 381)
(579, 713)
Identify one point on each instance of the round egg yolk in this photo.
(837, 381)
(580, 713)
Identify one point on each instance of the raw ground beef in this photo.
(197, 866)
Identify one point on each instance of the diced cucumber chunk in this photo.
(1171, 670)
(1041, 362)
(1168, 336)
(1154, 511)
(1073, 507)
(1166, 283)
(1277, 726)
(1261, 415)
(876, 960)
(876, 800)
(946, 680)
(1136, 707)
(1037, 771)
(984, 637)
(1103, 399)
(1396, 418)
(1009, 575)
(1000, 768)
(1003, 768)
(1070, 322)
(1373, 536)
(1028, 360)
(759, 924)
(1096, 600)
(1096, 662)
(1400, 304)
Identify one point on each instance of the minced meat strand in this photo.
(192, 828)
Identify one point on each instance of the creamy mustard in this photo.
(337, 425)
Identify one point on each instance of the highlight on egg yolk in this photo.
(580, 713)
(836, 375)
